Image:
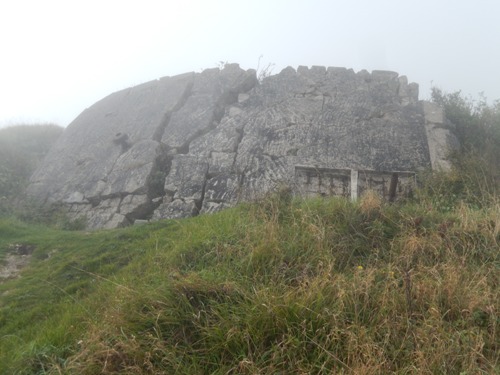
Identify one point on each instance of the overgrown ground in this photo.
(283, 286)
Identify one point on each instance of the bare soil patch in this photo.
(18, 257)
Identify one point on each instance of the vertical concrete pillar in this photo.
(354, 184)
(393, 186)
(439, 137)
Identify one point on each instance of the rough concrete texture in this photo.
(440, 136)
(200, 142)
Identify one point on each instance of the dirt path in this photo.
(18, 257)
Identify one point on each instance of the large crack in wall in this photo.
(155, 181)
(163, 161)
(134, 181)
(167, 150)
(221, 109)
(160, 130)
(181, 199)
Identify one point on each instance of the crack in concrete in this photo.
(226, 99)
(155, 181)
(154, 187)
(188, 91)
(199, 203)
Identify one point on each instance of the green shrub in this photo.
(476, 170)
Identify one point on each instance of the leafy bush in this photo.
(476, 167)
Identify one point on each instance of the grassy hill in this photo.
(278, 286)
(283, 286)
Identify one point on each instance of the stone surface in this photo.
(200, 142)
(131, 170)
(440, 136)
(133, 206)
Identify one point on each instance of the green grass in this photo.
(292, 287)
(44, 310)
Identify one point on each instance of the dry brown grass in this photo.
(370, 202)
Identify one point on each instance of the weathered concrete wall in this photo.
(352, 183)
(440, 135)
(199, 142)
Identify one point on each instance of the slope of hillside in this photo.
(282, 286)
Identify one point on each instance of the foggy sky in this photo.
(60, 56)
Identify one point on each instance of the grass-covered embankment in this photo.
(282, 286)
